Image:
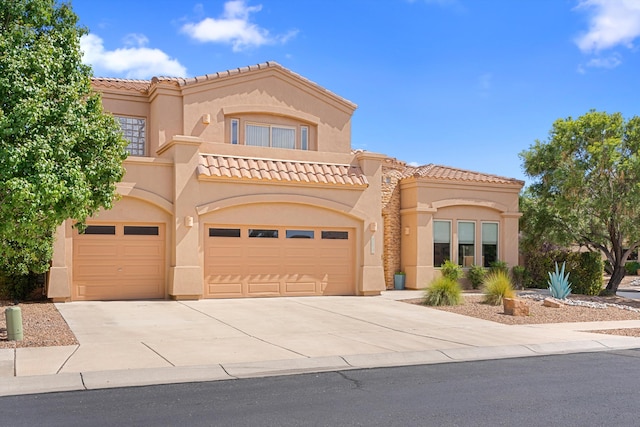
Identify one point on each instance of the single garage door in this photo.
(119, 261)
(243, 261)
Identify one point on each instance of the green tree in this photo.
(60, 154)
(586, 188)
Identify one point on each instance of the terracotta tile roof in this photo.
(143, 86)
(245, 168)
(454, 174)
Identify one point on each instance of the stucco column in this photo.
(509, 238)
(417, 253)
(186, 279)
(59, 283)
(372, 280)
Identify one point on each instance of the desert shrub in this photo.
(586, 270)
(18, 287)
(443, 291)
(498, 265)
(631, 268)
(519, 274)
(497, 285)
(451, 270)
(476, 275)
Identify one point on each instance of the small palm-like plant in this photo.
(497, 286)
(558, 282)
(443, 291)
(451, 270)
(476, 275)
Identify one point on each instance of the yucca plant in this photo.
(497, 285)
(559, 285)
(443, 291)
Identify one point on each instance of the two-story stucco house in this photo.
(243, 183)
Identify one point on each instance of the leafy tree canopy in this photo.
(586, 188)
(60, 154)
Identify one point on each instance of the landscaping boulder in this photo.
(552, 302)
(515, 307)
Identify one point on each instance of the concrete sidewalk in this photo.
(129, 343)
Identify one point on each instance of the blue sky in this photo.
(463, 83)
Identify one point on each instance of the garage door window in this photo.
(300, 234)
(136, 230)
(335, 235)
(224, 232)
(268, 234)
(100, 229)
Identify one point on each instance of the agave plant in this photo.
(559, 285)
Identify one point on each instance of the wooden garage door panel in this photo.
(140, 270)
(95, 249)
(141, 249)
(119, 266)
(93, 270)
(243, 266)
(300, 287)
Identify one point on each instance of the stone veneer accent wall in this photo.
(392, 173)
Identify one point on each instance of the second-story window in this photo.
(134, 131)
(270, 136)
(304, 137)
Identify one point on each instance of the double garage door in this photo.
(245, 261)
(119, 261)
(127, 261)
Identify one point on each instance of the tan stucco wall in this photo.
(164, 186)
(425, 200)
(392, 216)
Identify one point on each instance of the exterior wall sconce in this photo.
(188, 221)
(206, 119)
(406, 231)
(373, 227)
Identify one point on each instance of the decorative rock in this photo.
(515, 307)
(553, 303)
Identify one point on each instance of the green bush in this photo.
(451, 270)
(631, 268)
(19, 287)
(497, 285)
(498, 265)
(519, 274)
(476, 275)
(443, 291)
(586, 269)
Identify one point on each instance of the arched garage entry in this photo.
(279, 249)
(122, 253)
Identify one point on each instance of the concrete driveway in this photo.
(134, 342)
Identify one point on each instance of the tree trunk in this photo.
(616, 278)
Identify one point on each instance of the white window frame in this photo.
(234, 131)
(270, 127)
(497, 240)
(304, 138)
(137, 142)
(460, 256)
(434, 240)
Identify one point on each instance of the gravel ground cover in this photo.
(42, 326)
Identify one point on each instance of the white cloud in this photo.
(235, 28)
(612, 23)
(611, 61)
(134, 61)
